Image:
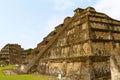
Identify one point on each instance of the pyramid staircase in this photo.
(52, 37)
(47, 43)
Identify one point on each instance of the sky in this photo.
(27, 22)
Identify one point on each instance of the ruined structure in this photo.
(24, 56)
(12, 54)
(85, 47)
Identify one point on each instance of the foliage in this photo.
(28, 51)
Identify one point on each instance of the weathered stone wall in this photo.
(77, 41)
(81, 47)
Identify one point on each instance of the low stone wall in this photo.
(9, 72)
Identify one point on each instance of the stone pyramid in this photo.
(85, 47)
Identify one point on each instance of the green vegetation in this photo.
(21, 77)
(28, 51)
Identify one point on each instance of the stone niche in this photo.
(102, 49)
(100, 70)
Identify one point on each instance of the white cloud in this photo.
(62, 4)
(110, 7)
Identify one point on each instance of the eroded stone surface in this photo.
(80, 48)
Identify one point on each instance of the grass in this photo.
(21, 77)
